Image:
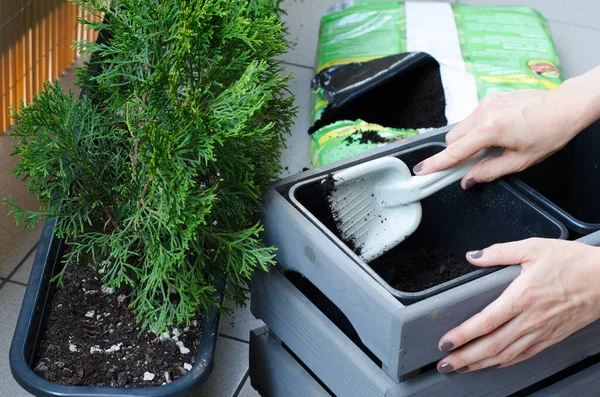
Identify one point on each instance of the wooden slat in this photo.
(584, 383)
(3, 69)
(275, 372)
(44, 67)
(27, 35)
(35, 46)
(13, 71)
(20, 55)
(330, 354)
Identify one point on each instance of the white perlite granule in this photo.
(107, 290)
(114, 348)
(182, 348)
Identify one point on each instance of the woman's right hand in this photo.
(529, 125)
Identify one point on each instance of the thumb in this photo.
(514, 253)
(490, 170)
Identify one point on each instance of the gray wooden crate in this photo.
(583, 384)
(404, 338)
(347, 371)
(274, 372)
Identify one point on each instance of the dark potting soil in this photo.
(91, 339)
(412, 99)
(406, 271)
(367, 137)
(418, 270)
(328, 217)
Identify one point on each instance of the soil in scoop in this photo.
(81, 317)
(406, 271)
(328, 215)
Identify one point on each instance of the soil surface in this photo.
(418, 270)
(91, 339)
(367, 137)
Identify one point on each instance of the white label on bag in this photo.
(430, 28)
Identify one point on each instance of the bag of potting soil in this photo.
(347, 138)
(415, 65)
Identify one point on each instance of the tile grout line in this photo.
(574, 24)
(16, 282)
(297, 65)
(237, 391)
(16, 269)
(233, 338)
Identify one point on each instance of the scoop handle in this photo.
(420, 187)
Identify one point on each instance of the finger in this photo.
(509, 354)
(489, 347)
(486, 321)
(527, 353)
(514, 253)
(491, 170)
(463, 128)
(457, 152)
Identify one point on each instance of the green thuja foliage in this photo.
(155, 173)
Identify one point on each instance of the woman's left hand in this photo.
(556, 294)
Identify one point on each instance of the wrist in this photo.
(580, 100)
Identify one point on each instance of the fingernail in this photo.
(445, 368)
(475, 254)
(446, 346)
(418, 168)
(462, 370)
(470, 183)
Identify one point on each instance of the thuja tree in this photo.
(155, 173)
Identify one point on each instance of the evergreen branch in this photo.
(156, 174)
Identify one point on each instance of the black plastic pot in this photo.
(453, 220)
(28, 335)
(567, 184)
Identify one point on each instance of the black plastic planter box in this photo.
(567, 183)
(454, 221)
(28, 334)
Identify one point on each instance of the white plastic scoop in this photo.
(376, 204)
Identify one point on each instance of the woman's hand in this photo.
(556, 294)
(530, 126)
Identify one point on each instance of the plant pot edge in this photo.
(30, 324)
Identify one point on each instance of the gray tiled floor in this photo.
(576, 34)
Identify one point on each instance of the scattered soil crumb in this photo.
(327, 188)
(367, 137)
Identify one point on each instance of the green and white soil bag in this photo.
(480, 50)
